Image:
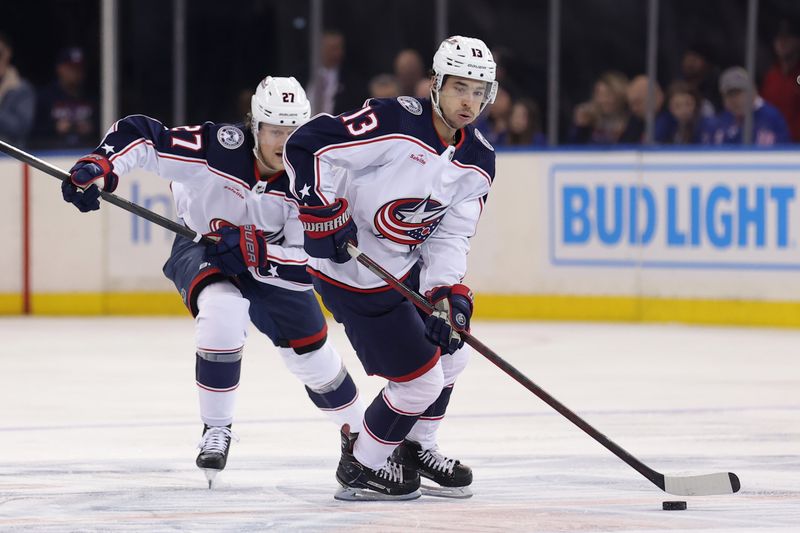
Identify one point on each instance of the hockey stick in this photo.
(703, 485)
(136, 209)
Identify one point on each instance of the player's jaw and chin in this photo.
(460, 110)
(270, 145)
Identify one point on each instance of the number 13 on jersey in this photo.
(360, 122)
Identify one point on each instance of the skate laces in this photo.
(391, 471)
(216, 440)
(436, 460)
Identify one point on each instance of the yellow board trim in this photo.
(10, 304)
(487, 306)
(93, 304)
(631, 309)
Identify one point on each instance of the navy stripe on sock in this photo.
(385, 423)
(439, 407)
(336, 399)
(217, 375)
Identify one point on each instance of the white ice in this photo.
(99, 424)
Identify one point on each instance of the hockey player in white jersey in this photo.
(229, 181)
(406, 179)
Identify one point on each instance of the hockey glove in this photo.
(328, 229)
(237, 249)
(80, 190)
(453, 310)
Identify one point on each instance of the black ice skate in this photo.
(360, 483)
(214, 448)
(452, 477)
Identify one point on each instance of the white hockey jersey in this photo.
(215, 178)
(413, 197)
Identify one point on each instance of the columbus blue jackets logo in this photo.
(409, 221)
(230, 137)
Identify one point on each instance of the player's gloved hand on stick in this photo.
(237, 248)
(328, 229)
(453, 310)
(80, 189)
(85, 201)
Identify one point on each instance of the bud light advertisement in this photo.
(689, 216)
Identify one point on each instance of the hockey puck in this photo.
(674, 506)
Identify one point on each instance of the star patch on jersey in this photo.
(409, 220)
(482, 139)
(230, 137)
(410, 104)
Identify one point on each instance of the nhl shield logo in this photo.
(410, 104)
(230, 137)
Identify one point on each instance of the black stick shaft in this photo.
(415, 298)
(136, 209)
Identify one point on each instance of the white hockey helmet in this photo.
(466, 57)
(280, 102)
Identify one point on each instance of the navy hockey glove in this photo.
(328, 229)
(85, 201)
(238, 248)
(453, 310)
(83, 175)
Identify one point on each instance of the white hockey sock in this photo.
(424, 432)
(352, 414)
(371, 452)
(217, 408)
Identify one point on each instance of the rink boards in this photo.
(695, 236)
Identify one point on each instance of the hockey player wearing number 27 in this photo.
(405, 180)
(231, 185)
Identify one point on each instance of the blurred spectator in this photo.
(683, 123)
(384, 86)
(493, 122)
(769, 126)
(781, 87)
(65, 117)
(637, 104)
(525, 124)
(423, 88)
(408, 70)
(604, 118)
(334, 88)
(698, 70)
(17, 99)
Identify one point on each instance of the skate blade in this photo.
(350, 494)
(446, 492)
(211, 476)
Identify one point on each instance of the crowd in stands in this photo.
(58, 115)
(704, 106)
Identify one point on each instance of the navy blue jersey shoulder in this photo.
(476, 150)
(230, 150)
(225, 147)
(373, 120)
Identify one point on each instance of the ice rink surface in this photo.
(99, 427)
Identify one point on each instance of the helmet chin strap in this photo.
(257, 147)
(259, 157)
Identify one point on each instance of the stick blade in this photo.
(705, 485)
